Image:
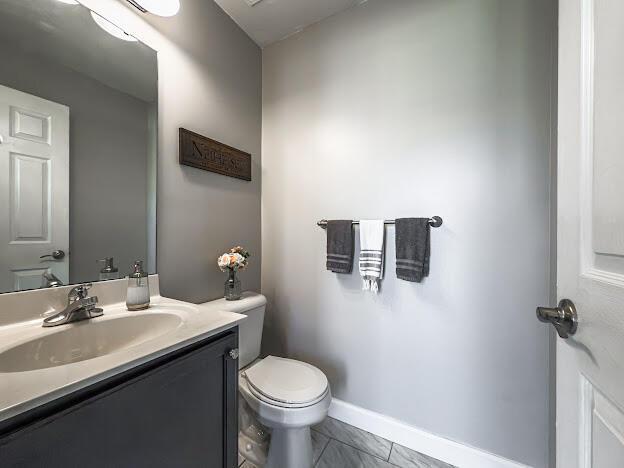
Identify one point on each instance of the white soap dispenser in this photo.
(138, 297)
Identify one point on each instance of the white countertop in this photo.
(22, 391)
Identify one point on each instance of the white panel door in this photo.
(34, 188)
(590, 364)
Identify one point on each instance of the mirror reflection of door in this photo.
(34, 174)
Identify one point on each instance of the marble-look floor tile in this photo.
(339, 455)
(319, 442)
(407, 458)
(246, 464)
(355, 437)
(240, 459)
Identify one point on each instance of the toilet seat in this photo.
(282, 404)
(286, 383)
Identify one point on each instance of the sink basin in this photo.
(85, 340)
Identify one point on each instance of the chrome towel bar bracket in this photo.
(435, 222)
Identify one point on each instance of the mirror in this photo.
(78, 145)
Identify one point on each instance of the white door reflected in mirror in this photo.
(34, 172)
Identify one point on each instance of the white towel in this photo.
(372, 253)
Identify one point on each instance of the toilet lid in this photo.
(286, 380)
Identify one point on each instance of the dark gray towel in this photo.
(340, 245)
(412, 248)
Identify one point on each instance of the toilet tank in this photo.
(252, 305)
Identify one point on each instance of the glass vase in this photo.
(232, 287)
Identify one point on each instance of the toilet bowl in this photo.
(281, 397)
(288, 397)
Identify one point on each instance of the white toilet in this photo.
(284, 395)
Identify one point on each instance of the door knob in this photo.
(563, 317)
(56, 255)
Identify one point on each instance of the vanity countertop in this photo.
(185, 323)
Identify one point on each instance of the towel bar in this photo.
(435, 222)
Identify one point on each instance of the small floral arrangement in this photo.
(235, 259)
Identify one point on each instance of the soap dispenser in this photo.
(138, 297)
(109, 271)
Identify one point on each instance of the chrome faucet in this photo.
(80, 306)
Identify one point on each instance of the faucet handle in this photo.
(79, 292)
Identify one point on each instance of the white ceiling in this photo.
(269, 21)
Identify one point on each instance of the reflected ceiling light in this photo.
(111, 29)
(69, 2)
(157, 7)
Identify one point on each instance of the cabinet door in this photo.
(180, 414)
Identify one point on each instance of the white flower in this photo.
(238, 260)
(224, 261)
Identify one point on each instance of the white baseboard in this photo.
(411, 437)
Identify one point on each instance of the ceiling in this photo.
(67, 35)
(269, 21)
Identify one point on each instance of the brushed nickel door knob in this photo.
(56, 255)
(564, 317)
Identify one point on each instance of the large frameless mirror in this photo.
(78, 133)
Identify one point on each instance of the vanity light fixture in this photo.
(69, 2)
(157, 7)
(111, 29)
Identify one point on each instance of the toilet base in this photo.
(290, 448)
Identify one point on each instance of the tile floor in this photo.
(339, 445)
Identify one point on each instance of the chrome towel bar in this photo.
(435, 222)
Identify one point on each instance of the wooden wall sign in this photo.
(204, 153)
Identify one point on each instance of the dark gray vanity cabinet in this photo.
(176, 411)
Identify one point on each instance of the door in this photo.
(590, 364)
(34, 188)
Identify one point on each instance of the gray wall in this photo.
(210, 82)
(108, 161)
(418, 108)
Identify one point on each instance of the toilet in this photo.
(279, 398)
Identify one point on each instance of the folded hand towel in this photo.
(412, 248)
(340, 246)
(371, 253)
